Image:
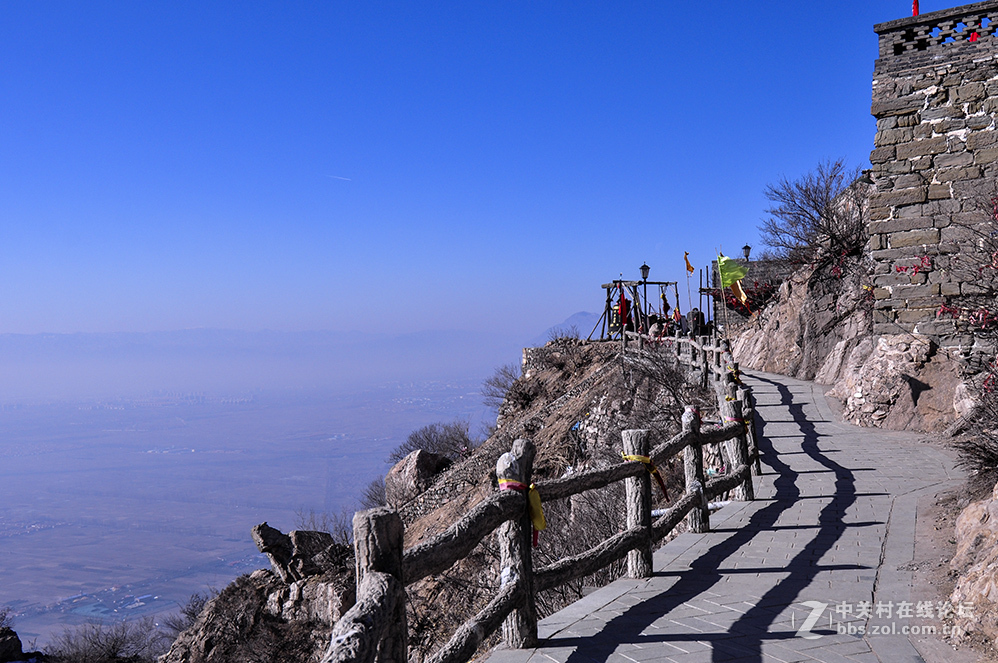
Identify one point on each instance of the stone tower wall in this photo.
(935, 98)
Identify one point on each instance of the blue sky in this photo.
(402, 166)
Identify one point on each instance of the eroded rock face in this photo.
(976, 560)
(899, 382)
(817, 316)
(821, 329)
(298, 554)
(412, 475)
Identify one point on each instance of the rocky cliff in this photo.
(821, 328)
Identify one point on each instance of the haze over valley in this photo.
(122, 499)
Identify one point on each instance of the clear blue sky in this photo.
(337, 165)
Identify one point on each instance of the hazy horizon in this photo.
(233, 362)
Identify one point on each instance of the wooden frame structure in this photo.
(610, 325)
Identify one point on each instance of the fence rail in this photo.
(375, 628)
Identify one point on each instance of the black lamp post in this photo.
(644, 277)
(746, 250)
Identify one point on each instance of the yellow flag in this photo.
(736, 288)
(689, 267)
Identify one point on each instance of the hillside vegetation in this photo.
(572, 399)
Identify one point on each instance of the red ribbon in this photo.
(510, 484)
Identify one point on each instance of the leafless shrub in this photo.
(978, 446)
(562, 333)
(338, 525)
(374, 495)
(449, 440)
(974, 266)
(96, 642)
(178, 622)
(820, 215)
(979, 456)
(496, 386)
(974, 311)
(6, 617)
(667, 389)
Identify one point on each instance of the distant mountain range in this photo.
(226, 361)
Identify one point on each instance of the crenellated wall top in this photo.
(937, 30)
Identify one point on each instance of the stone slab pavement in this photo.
(813, 570)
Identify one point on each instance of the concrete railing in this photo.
(968, 23)
(375, 628)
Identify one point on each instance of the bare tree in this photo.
(495, 387)
(819, 215)
(450, 440)
(97, 642)
(374, 495)
(338, 525)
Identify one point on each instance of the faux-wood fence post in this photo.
(698, 519)
(377, 535)
(637, 491)
(515, 538)
(748, 411)
(738, 446)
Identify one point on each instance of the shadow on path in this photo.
(745, 637)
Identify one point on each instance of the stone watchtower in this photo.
(935, 97)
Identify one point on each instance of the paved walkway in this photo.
(787, 577)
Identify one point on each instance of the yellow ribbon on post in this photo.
(652, 470)
(534, 508)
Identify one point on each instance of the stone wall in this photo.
(935, 97)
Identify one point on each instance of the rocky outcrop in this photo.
(818, 315)
(10, 646)
(975, 595)
(581, 396)
(413, 474)
(820, 328)
(298, 554)
(284, 614)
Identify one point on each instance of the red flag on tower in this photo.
(914, 7)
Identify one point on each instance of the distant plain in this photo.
(122, 506)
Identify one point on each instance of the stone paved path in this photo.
(833, 526)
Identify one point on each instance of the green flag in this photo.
(729, 271)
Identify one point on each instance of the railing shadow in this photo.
(745, 637)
